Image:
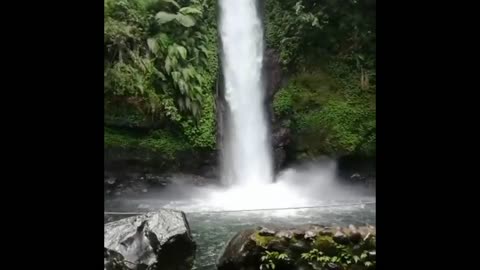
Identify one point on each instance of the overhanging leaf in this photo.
(182, 51)
(185, 20)
(190, 10)
(161, 75)
(164, 17)
(168, 65)
(153, 45)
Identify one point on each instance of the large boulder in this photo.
(156, 240)
(301, 248)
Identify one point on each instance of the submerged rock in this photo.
(156, 240)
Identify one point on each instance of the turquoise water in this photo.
(212, 230)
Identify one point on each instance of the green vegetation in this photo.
(158, 141)
(160, 69)
(272, 258)
(261, 240)
(318, 252)
(329, 48)
(161, 66)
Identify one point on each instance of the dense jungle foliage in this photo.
(161, 66)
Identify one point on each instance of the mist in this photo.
(303, 185)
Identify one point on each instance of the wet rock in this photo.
(245, 250)
(156, 240)
(284, 234)
(281, 245)
(355, 237)
(266, 232)
(113, 260)
(281, 137)
(310, 235)
(326, 231)
(300, 246)
(298, 234)
(340, 238)
(333, 266)
(241, 252)
(111, 181)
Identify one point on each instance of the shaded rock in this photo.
(279, 244)
(333, 266)
(281, 137)
(113, 260)
(326, 231)
(245, 250)
(298, 233)
(300, 246)
(279, 157)
(156, 240)
(340, 238)
(355, 237)
(111, 181)
(241, 252)
(273, 73)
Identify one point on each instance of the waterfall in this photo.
(247, 156)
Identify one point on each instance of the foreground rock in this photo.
(156, 240)
(306, 247)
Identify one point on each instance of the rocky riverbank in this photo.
(163, 240)
(303, 247)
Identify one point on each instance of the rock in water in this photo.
(247, 248)
(156, 240)
(113, 260)
(240, 253)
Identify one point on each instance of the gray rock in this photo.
(355, 237)
(263, 231)
(240, 252)
(284, 234)
(113, 260)
(340, 238)
(157, 240)
(310, 234)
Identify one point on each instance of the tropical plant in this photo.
(155, 54)
(273, 258)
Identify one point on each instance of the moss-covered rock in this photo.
(308, 246)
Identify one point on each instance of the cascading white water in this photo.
(247, 155)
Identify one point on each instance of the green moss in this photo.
(328, 112)
(262, 241)
(159, 141)
(325, 244)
